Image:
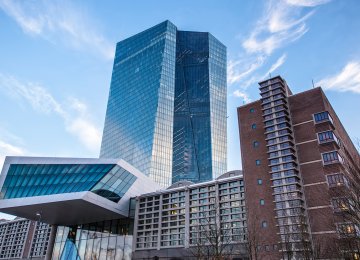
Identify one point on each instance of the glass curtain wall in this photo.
(106, 240)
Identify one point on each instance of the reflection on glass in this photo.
(101, 240)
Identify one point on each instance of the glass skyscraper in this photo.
(166, 111)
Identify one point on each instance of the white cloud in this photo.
(307, 3)
(59, 21)
(74, 112)
(87, 133)
(280, 61)
(256, 78)
(7, 149)
(282, 23)
(243, 95)
(241, 68)
(348, 79)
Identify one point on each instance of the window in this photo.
(255, 144)
(274, 161)
(340, 204)
(337, 179)
(253, 126)
(331, 157)
(273, 154)
(348, 229)
(259, 181)
(257, 162)
(322, 117)
(262, 202)
(269, 129)
(327, 136)
(264, 224)
(267, 111)
(252, 110)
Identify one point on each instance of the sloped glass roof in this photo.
(29, 180)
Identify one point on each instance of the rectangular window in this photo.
(326, 137)
(273, 154)
(337, 179)
(322, 117)
(331, 157)
(348, 229)
(274, 161)
(340, 204)
(272, 148)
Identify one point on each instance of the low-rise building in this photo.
(25, 239)
(190, 220)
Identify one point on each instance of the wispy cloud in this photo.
(74, 113)
(307, 3)
(348, 79)
(243, 95)
(239, 69)
(59, 21)
(283, 22)
(7, 149)
(257, 77)
(280, 61)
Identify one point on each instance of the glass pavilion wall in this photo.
(106, 240)
(28, 180)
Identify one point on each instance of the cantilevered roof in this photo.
(69, 191)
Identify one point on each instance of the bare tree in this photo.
(252, 235)
(346, 202)
(215, 238)
(212, 238)
(286, 246)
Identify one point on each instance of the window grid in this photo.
(201, 205)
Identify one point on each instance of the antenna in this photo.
(269, 75)
(313, 83)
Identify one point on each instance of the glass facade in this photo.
(102, 240)
(199, 146)
(139, 117)
(27, 180)
(167, 105)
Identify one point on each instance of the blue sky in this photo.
(56, 61)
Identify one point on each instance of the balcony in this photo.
(331, 158)
(328, 137)
(323, 117)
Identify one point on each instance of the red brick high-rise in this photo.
(294, 149)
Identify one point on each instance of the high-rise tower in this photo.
(166, 111)
(297, 163)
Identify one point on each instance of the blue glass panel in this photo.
(114, 184)
(37, 180)
(181, 77)
(139, 116)
(199, 149)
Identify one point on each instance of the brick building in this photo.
(294, 151)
